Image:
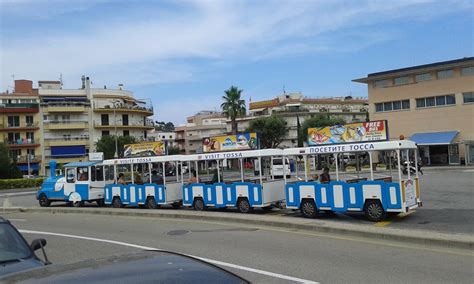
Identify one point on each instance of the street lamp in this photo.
(116, 104)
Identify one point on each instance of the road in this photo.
(290, 254)
(447, 204)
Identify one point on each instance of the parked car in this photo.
(147, 267)
(15, 253)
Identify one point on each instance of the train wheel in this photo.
(374, 211)
(100, 202)
(78, 204)
(244, 206)
(116, 202)
(308, 209)
(44, 201)
(199, 204)
(150, 203)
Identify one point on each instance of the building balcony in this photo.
(24, 159)
(64, 108)
(66, 141)
(21, 143)
(65, 124)
(146, 110)
(147, 125)
(22, 127)
(19, 108)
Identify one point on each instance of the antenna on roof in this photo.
(284, 91)
(61, 79)
(13, 78)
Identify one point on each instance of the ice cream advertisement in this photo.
(242, 141)
(349, 133)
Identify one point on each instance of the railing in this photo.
(122, 107)
(65, 104)
(21, 141)
(26, 125)
(65, 121)
(20, 105)
(24, 159)
(147, 123)
(67, 138)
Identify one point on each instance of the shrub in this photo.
(20, 183)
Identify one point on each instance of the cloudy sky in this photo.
(184, 54)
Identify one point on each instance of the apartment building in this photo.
(201, 125)
(295, 106)
(75, 119)
(431, 104)
(20, 126)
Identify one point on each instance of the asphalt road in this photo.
(299, 254)
(447, 196)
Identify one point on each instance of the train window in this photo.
(83, 173)
(71, 175)
(99, 173)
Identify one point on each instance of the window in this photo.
(420, 103)
(71, 175)
(126, 133)
(105, 133)
(13, 138)
(436, 101)
(400, 80)
(29, 120)
(124, 119)
(397, 105)
(30, 137)
(468, 97)
(380, 83)
(145, 134)
(83, 174)
(104, 119)
(430, 101)
(406, 104)
(423, 77)
(389, 106)
(450, 99)
(13, 121)
(445, 74)
(467, 71)
(441, 100)
(378, 107)
(30, 152)
(14, 154)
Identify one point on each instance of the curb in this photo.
(418, 237)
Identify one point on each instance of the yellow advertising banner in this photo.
(243, 141)
(349, 133)
(144, 149)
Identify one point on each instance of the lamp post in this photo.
(116, 104)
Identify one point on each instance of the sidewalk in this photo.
(416, 237)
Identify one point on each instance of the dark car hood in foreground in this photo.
(152, 266)
(21, 265)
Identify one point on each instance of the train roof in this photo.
(80, 164)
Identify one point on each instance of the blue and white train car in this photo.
(374, 196)
(245, 194)
(83, 181)
(143, 184)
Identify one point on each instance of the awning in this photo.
(434, 138)
(68, 151)
(257, 109)
(24, 167)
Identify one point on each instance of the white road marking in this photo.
(469, 171)
(17, 194)
(216, 262)
(17, 220)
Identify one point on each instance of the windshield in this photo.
(12, 245)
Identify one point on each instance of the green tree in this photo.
(164, 126)
(272, 130)
(321, 120)
(173, 151)
(233, 106)
(8, 168)
(106, 144)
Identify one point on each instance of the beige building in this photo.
(20, 126)
(431, 104)
(294, 106)
(201, 125)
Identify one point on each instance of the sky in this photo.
(183, 54)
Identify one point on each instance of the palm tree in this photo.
(233, 106)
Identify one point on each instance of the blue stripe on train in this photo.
(221, 194)
(349, 195)
(134, 194)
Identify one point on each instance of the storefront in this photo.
(438, 148)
